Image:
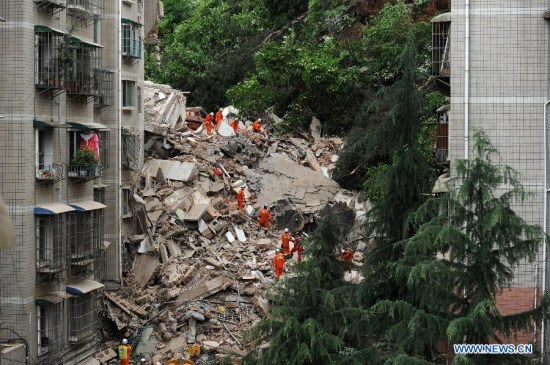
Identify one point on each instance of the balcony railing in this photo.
(85, 9)
(50, 173)
(84, 173)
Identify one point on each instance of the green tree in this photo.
(305, 324)
(464, 252)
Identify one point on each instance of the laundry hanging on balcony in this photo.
(90, 141)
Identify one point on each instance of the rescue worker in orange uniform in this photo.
(257, 125)
(218, 118)
(124, 352)
(285, 242)
(279, 263)
(347, 255)
(297, 246)
(208, 123)
(265, 217)
(240, 198)
(235, 125)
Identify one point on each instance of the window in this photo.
(48, 65)
(82, 319)
(85, 9)
(44, 147)
(128, 90)
(99, 195)
(49, 320)
(126, 193)
(85, 60)
(104, 88)
(76, 143)
(50, 243)
(86, 238)
(131, 38)
(139, 100)
(130, 149)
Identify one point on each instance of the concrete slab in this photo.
(195, 213)
(147, 265)
(171, 169)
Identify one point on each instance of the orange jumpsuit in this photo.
(347, 256)
(208, 124)
(218, 119)
(279, 262)
(240, 199)
(235, 125)
(257, 126)
(124, 352)
(285, 239)
(265, 217)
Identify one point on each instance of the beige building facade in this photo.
(71, 134)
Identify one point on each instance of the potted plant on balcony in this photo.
(86, 162)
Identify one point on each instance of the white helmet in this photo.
(343, 251)
(286, 229)
(278, 250)
(124, 341)
(259, 119)
(212, 113)
(142, 359)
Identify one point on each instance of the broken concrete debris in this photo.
(198, 269)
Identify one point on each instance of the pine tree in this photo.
(305, 324)
(395, 187)
(464, 252)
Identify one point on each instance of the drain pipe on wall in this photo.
(119, 131)
(466, 78)
(544, 221)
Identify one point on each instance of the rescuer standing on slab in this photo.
(297, 240)
(124, 352)
(219, 118)
(240, 198)
(208, 123)
(265, 217)
(279, 263)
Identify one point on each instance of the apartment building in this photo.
(71, 135)
(491, 58)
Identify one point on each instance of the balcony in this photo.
(81, 78)
(441, 50)
(104, 88)
(87, 10)
(52, 6)
(50, 173)
(84, 173)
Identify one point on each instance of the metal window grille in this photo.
(139, 99)
(87, 10)
(99, 195)
(86, 238)
(131, 39)
(51, 243)
(128, 91)
(48, 65)
(126, 203)
(54, 6)
(81, 77)
(82, 321)
(441, 44)
(130, 149)
(50, 328)
(104, 96)
(442, 135)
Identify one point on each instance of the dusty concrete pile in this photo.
(199, 270)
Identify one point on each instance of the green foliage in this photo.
(305, 322)
(85, 158)
(463, 253)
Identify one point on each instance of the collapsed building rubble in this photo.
(198, 269)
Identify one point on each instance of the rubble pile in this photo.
(200, 270)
